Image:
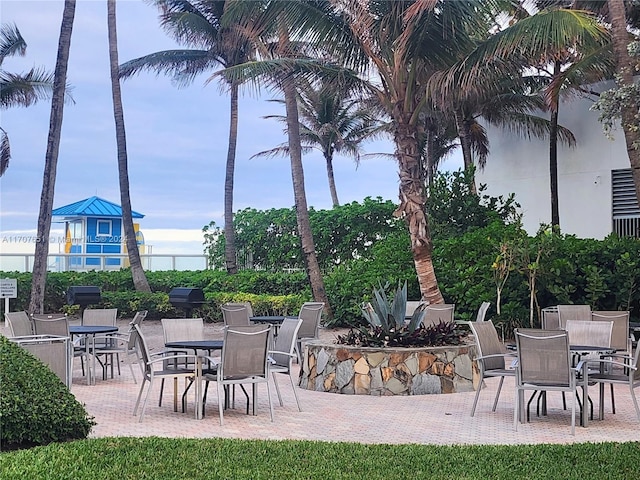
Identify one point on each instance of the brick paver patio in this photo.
(427, 419)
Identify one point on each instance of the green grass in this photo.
(169, 458)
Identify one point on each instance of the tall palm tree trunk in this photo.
(412, 209)
(553, 154)
(328, 157)
(139, 278)
(302, 212)
(230, 257)
(39, 274)
(624, 67)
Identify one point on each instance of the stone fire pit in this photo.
(329, 367)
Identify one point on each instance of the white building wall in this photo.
(584, 173)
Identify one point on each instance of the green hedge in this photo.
(36, 408)
(602, 273)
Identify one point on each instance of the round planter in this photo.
(329, 367)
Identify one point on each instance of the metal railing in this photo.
(83, 262)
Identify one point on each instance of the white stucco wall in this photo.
(584, 173)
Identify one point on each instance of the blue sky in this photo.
(176, 137)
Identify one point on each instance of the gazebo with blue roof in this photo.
(94, 225)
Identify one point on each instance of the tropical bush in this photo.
(36, 408)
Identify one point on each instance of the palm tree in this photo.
(139, 278)
(331, 122)
(197, 23)
(39, 273)
(18, 89)
(625, 69)
(571, 42)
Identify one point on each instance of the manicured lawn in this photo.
(168, 458)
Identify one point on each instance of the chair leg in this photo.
(135, 409)
(613, 400)
(146, 399)
(221, 399)
(295, 394)
(133, 374)
(635, 401)
(161, 390)
(475, 400)
(269, 397)
(495, 402)
(275, 381)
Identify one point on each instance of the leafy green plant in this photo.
(387, 326)
(36, 408)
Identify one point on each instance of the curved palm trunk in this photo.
(332, 181)
(39, 274)
(465, 143)
(412, 208)
(137, 272)
(302, 212)
(624, 67)
(230, 257)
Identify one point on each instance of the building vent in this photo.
(626, 213)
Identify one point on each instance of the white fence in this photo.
(64, 262)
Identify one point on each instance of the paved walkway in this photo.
(427, 419)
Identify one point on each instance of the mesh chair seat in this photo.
(438, 312)
(19, 323)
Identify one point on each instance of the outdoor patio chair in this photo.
(52, 350)
(573, 312)
(120, 342)
(310, 314)
(282, 355)
(235, 315)
(105, 345)
(244, 360)
(618, 369)
(19, 323)
(620, 337)
(550, 318)
(544, 364)
(438, 312)
(491, 359)
(174, 330)
(58, 324)
(241, 304)
(154, 367)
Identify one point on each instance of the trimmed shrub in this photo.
(36, 408)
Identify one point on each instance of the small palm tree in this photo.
(332, 122)
(197, 24)
(18, 89)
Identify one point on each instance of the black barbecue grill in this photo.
(187, 299)
(83, 295)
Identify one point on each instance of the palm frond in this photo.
(5, 151)
(183, 65)
(11, 42)
(26, 89)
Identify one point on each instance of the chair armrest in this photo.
(292, 355)
(174, 357)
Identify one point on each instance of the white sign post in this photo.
(8, 289)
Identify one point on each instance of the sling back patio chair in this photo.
(482, 311)
(154, 366)
(235, 315)
(573, 312)
(438, 312)
(247, 305)
(310, 314)
(58, 324)
(19, 323)
(283, 353)
(544, 364)
(491, 359)
(244, 361)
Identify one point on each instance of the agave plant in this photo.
(389, 314)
